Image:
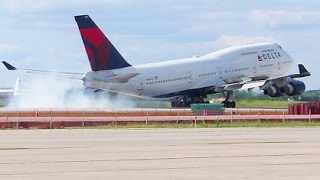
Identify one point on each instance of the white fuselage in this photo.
(212, 70)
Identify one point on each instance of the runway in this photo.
(246, 153)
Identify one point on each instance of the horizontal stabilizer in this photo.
(66, 75)
(9, 66)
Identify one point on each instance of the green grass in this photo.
(215, 125)
(263, 103)
(243, 103)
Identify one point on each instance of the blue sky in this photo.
(44, 35)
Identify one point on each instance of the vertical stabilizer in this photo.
(100, 51)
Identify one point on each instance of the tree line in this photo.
(308, 96)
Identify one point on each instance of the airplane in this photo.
(189, 80)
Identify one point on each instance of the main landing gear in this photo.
(227, 103)
(185, 102)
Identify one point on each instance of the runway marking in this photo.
(150, 169)
(251, 142)
(11, 148)
(15, 148)
(161, 158)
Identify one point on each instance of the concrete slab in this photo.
(248, 153)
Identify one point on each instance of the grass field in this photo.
(263, 103)
(216, 125)
(243, 103)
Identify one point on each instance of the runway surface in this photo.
(246, 153)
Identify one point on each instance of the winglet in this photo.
(303, 70)
(9, 66)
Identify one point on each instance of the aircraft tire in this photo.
(233, 104)
(227, 104)
(173, 104)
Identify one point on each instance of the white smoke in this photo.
(47, 92)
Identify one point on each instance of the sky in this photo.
(44, 35)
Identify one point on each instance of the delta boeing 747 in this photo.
(189, 80)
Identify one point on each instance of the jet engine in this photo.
(294, 87)
(273, 91)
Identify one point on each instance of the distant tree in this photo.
(4, 100)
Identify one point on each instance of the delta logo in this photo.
(269, 56)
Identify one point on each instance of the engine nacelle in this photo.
(294, 87)
(272, 91)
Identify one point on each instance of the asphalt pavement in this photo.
(230, 153)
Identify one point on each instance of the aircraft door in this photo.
(254, 70)
(140, 89)
(279, 64)
(189, 73)
(220, 72)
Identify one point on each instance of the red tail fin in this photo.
(101, 53)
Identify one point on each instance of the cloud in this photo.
(242, 40)
(55, 25)
(21, 6)
(216, 15)
(207, 22)
(5, 48)
(276, 18)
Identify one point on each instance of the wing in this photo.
(6, 90)
(67, 75)
(263, 82)
(112, 78)
(303, 72)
